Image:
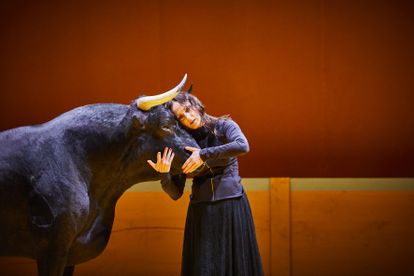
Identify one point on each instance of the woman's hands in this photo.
(163, 164)
(193, 162)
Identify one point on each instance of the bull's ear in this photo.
(138, 121)
(190, 89)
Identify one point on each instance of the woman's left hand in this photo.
(193, 162)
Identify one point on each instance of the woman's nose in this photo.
(188, 116)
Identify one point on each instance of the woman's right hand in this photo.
(163, 164)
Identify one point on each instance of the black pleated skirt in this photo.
(220, 239)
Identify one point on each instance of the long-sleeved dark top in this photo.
(218, 178)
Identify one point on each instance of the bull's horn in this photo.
(147, 102)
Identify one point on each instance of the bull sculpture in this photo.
(60, 181)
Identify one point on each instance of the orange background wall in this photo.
(321, 88)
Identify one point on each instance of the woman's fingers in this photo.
(163, 161)
(195, 166)
(192, 149)
(168, 156)
(186, 163)
(167, 159)
(193, 162)
(152, 164)
(172, 157)
(189, 167)
(158, 157)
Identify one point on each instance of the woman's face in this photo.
(187, 115)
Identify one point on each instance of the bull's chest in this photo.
(92, 240)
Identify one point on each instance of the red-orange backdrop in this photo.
(321, 88)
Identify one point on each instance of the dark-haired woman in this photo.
(219, 236)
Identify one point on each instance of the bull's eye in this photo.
(167, 129)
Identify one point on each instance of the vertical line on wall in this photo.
(289, 187)
(323, 84)
(280, 238)
(161, 36)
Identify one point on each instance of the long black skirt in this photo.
(220, 239)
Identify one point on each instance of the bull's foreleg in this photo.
(69, 270)
(52, 265)
(53, 260)
(58, 211)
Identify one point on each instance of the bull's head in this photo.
(159, 128)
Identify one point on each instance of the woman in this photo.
(219, 236)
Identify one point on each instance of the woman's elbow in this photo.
(176, 196)
(244, 147)
(173, 193)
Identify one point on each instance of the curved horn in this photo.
(147, 102)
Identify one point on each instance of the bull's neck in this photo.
(100, 154)
(110, 184)
(118, 166)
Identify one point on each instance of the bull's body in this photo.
(60, 181)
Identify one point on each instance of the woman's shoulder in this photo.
(224, 123)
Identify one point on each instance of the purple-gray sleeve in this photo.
(173, 185)
(237, 143)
